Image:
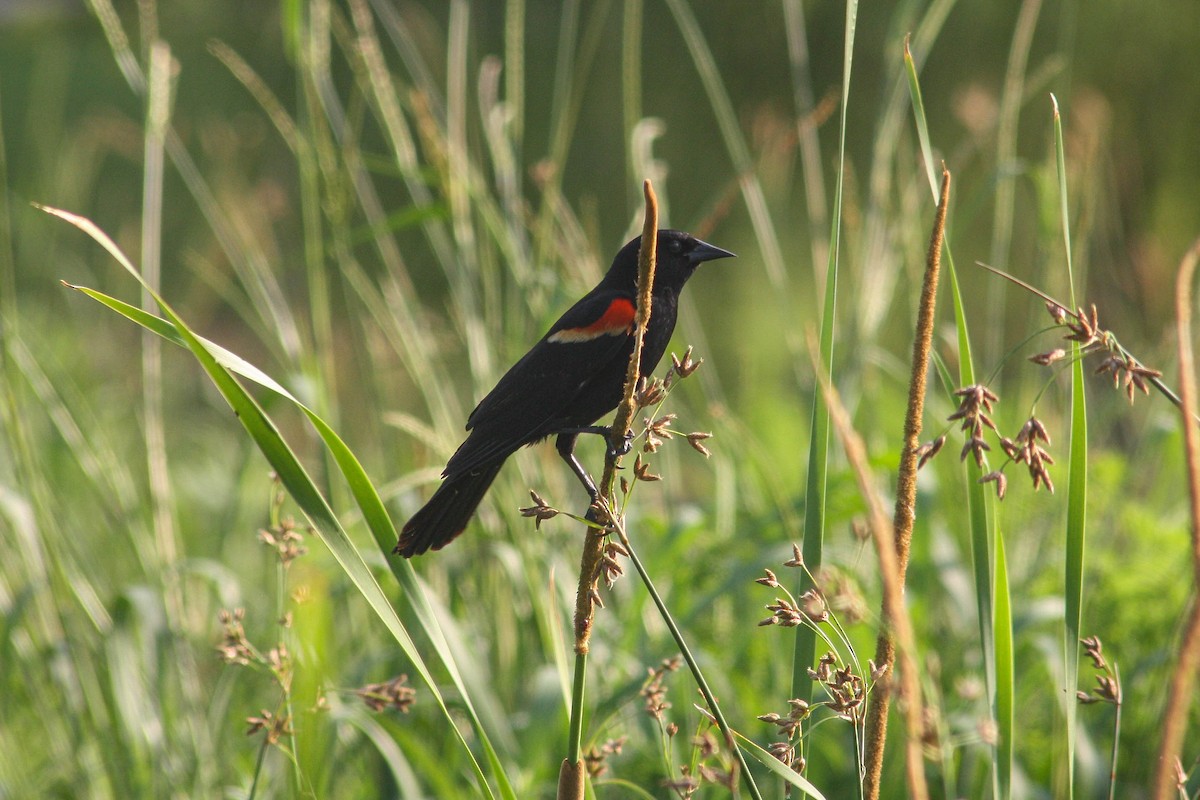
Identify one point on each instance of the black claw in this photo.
(623, 448)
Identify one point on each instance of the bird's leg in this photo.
(600, 430)
(565, 444)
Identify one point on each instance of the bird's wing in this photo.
(544, 384)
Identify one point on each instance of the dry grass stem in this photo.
(1179, 696)
(593, 549)
(593, 562)
(896, 619)
(906, 496)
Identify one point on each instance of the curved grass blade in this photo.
(914, 91)
(218, 364)
(776, 766)
(1076, 485)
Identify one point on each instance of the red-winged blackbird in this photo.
(573, 376)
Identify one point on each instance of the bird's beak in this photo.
(703, 251)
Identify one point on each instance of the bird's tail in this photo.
(447, 513)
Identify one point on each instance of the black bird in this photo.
(573, 376)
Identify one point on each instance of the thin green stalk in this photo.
(571, 779)
(1076, 487)
(709, 698)
(1005, 702)
(575, 741)
(804, 652)
(259, 763)
(1116, 742)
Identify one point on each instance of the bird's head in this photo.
(678, 255)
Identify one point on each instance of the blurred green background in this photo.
(111, 583)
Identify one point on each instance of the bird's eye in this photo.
(675, 246)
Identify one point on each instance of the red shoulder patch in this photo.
(617, 319)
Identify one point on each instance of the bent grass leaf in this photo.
(218, 363)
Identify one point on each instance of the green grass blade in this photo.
(1076, 486)
(1004, 673)
(370, 504)
(914, 91)
(776, 766)
(980, 506)
(980, 514)
(818, 448)
(301, 487)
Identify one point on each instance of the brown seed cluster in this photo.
(395, 693)
(285, 539)
(836, 600)
(275, 726)
(976, 405)
(650, 392)
(789, 612)
(1125, 367)
(973, 409)
(1025, 449)
(789, 725)
(279, 661)
(657, 428)
(847, 691)
(234, 647)
(683, 367)
(654, 692)
(705, 749)
(1084, 327)
(657, 431)
(701, 770)
(610, 567)
(641, 470)
(540, 511)
(1108, 681)
(927, 451)
(595, 759)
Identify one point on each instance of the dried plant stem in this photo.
(895, 615)
(571, 774)
(906, 497)
(1183, 680)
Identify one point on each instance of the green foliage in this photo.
(382, 204)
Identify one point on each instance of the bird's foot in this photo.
(621, 448)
